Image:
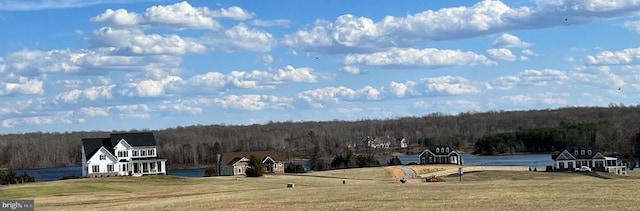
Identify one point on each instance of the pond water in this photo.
(531, 160)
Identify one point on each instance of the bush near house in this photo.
(11, 178)
(294, 168)
(255, 167)
(210, 172)
(394, 161)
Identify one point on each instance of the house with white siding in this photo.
(122, 154)
(576, 156)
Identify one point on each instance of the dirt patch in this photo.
(394, 172)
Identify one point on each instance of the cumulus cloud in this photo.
(349, 33)
(25, 86)
(94, 112)
(601, 77)
(401, 89)
(180, 107)
(632, 26)
(254, 102)
(319, 97)
(235, 13)
(240, 38)
(136, 111)
(266, 59)
(418, 58)
(351, 70)
(624, 57)
(91, 94)
(255, 79)
(450, 85)
(96, 62)
(134, 41)
(510, 41)
(528, 78)
(501, 54)
(179, 16)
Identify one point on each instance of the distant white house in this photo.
(376, 142)
(122, 154)
(403, 143)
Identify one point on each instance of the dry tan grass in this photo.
(366, 189)
(425, 169)
(394, 172)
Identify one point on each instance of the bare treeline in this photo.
(198, 145)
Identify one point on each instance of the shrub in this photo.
(294, 168)
(433, 178)
(250, 172)
(394, 161)
(210, 172)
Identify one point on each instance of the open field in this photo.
(365, 189)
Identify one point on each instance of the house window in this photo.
(109, 168)
(447, 149)
(239, 170)
(275, 166)
(582, 152)
(589, 152)
(95, 168)
(103, 157)
(151, 152)
(124, 167)
(575, 152)
(135, 153)
(437, 150)
(143, 153)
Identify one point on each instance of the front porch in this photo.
(148, 167)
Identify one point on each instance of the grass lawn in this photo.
(365, 189)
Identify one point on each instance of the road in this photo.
(408, 172)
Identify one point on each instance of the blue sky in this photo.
(119, 65)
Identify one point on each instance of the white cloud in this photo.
(528, 52)
(633, 26)
(528, 78)
(418, 58)
(501, 54)
(253, 102)
(94, 111)
(255, 79)
(235, 13)
(545, 99)
(179, 107)
(518, 99)
(351, 70)
(138, 111)
(92, 94)
(623, 57)
(179, 16)
(349, 33)
(119, 17)
(266, 59)
(601, 77)
(402, 89)
(134, 41)
(451, 85)
(96, 62)
(153, 88)
(240, 38)
(421, 104)
(24, 86)
(510, 41)
(269, 23)
(319, 97)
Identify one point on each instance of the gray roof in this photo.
(442, 150)
(134, 139)
(92, 145)
(578, 155)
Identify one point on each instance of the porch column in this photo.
(164, 168)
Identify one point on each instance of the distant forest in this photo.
(612, 129)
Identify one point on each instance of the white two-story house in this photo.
(122, 154)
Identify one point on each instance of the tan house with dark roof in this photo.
(236, 163)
